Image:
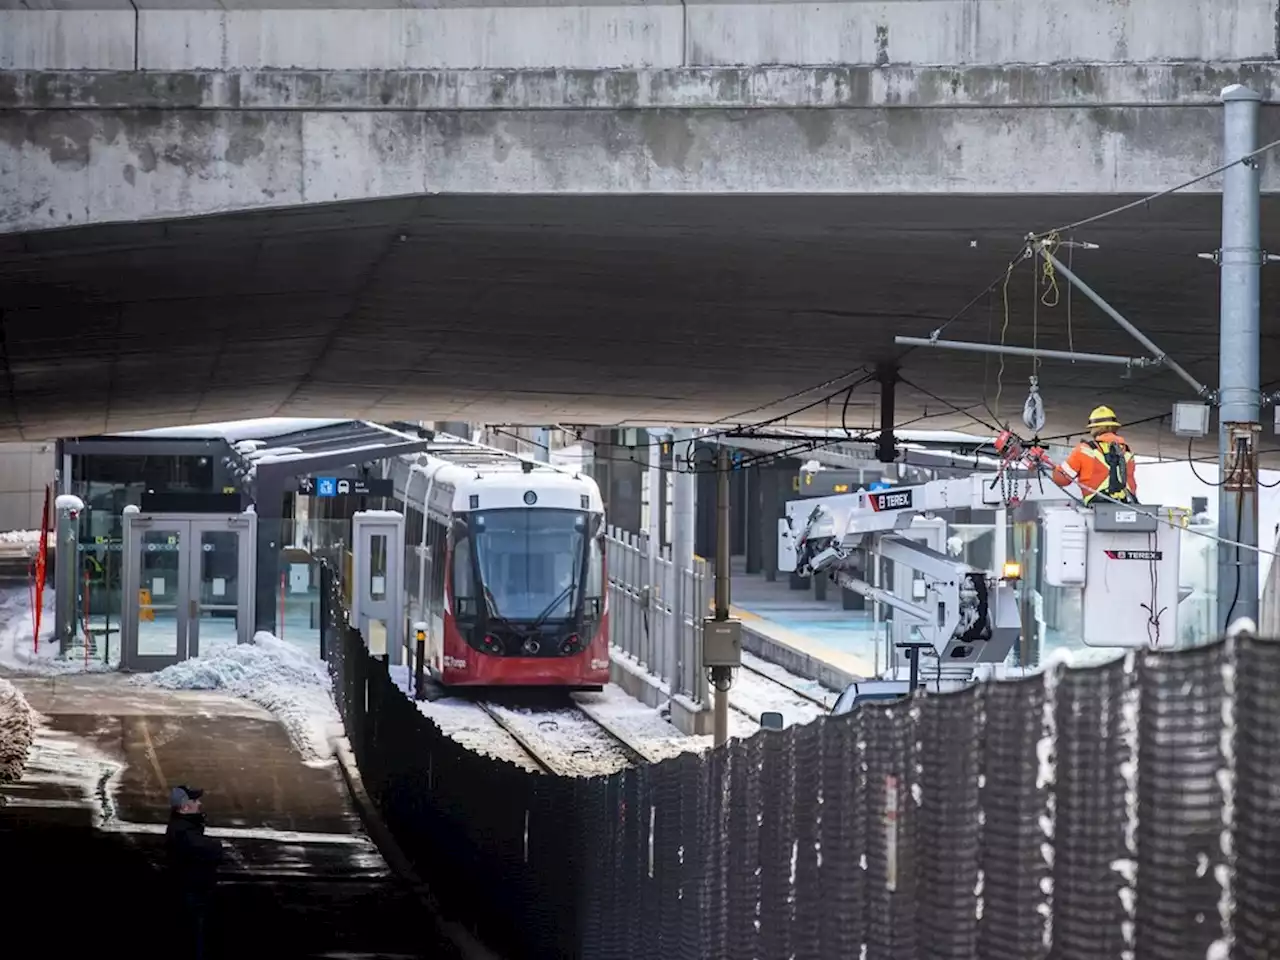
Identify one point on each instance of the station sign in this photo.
(345, 487)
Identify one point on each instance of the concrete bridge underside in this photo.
(596, 309)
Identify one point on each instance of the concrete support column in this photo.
(622, 499)
(542, 444)
(704, 540)
(753, 521)
(269, 504)
(737, 513)
(770, 511)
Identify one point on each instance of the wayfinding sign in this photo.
(344, 487)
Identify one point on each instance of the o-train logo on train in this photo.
(505, 564)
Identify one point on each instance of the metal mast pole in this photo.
(656, 651)
(722, 676)
(684, 498)
(1239, 344)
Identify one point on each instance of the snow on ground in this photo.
(17, 648)
(471, 727)
(570, 742)
(637, 722)
(292, 685)
(753, 695)
(16, 731)
(645, 726)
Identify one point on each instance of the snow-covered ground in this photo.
(18, 651)
(275, 675)
(16, 730)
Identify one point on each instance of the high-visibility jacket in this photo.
(1103, 465)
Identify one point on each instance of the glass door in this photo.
(220, 582)
(156, 578)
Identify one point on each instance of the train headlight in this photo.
(530, 498)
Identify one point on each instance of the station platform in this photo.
(815, 639)
(81, 835)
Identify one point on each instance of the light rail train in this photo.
(504, 564)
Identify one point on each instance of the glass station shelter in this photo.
(233, 517)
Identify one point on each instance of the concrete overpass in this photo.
(599, 213)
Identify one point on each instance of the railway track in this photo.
(763, 686)
(572, 741)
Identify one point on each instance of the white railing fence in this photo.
(642, 619)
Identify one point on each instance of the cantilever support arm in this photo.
(1041, 248)
(850, 582)
(1072, 355)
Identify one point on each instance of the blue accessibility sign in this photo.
(326, 487)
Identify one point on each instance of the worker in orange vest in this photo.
(1103, 466)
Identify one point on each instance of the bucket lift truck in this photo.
(1122, 559)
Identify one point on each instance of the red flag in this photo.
(39, 574)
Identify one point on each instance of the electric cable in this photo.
(1192, 464)
(1159, 195)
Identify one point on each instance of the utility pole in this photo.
(721, 636)
(1239, 345)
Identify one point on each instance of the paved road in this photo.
(81, 835)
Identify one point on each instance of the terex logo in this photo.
(897, 500)
(1135, 554)
(599, 664)
(454, 663)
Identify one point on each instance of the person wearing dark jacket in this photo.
(193, 860)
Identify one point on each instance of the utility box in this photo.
(721, 643)
(1126, 568)
(1066, 548)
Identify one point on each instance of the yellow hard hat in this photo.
(1103, 418)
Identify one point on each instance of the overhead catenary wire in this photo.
(1158, 195)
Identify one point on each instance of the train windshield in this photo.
(533, 565)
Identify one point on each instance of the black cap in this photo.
(183, 794)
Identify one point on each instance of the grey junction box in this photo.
(721, 643)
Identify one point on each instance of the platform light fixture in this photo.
(1190, 419)
(1012, 570)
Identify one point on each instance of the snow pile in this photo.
(16, 731)
(273, 674)
(25, 537)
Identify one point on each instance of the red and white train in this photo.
(504, 563)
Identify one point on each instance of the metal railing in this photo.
(642, 611)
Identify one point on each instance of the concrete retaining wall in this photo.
(200, 34)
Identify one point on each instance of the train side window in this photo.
(595, 568)
(464, 582)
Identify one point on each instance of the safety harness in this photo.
(1115, 456)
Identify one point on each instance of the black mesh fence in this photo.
(1125, 810)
